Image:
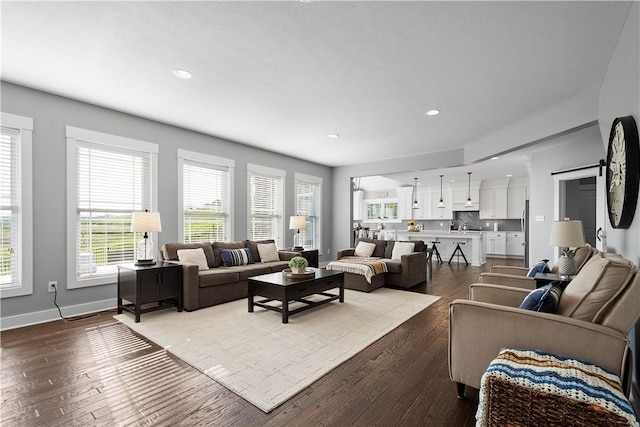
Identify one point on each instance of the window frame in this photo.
(210, 162)
(75, 135)
(25, 126)
(280, 175)
(300, 178)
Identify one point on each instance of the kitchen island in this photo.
(473, 248)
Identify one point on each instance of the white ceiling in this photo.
(284, 75)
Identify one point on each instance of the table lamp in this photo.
(297, 223)
(567, 234)
(145, 222)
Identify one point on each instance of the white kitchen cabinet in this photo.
(405, 203)
(495, 243)
(515, 243)
(424, 206)
(516, 199)
(493, 203)
(441, 213)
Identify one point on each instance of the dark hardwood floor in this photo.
(96, 372)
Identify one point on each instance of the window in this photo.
(108, 177)
(266, 203)
(308, 204)
(16, 208)
(205, 196)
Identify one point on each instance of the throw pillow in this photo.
(402, 248)
(365, 249)
(193, 256)
(231, 257)
(539, 267)
(268, 252)
(544, 299)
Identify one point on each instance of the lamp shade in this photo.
(567, 234)
(297, 223)
(145, 221)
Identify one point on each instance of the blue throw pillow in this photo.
(544, 299)
(231, 257)
(539, 267)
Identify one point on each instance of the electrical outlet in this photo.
(53, 286)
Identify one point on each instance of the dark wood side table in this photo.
(545, 278)
(311, 255)
(149, 287)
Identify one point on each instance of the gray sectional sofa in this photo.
(220, 284)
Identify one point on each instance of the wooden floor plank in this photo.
(96, 372)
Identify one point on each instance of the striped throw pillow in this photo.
(231, 257)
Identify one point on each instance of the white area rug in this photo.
(265, 361)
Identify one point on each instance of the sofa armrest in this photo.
(287, 255)
(497, 294)
(414, 266)
(509, 269)
(478, 331)
(510, 280)
(190, 285)
(345, 252)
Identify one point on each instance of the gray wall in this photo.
(51, 114)
(620, 96)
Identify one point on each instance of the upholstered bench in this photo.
(525, 387)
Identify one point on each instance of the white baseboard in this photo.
(20, 320)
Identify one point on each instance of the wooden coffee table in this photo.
(276, 287)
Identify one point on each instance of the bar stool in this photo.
(457, 252)
(435, 250)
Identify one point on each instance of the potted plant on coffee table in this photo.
(298, 265)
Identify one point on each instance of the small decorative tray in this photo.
(290, 275)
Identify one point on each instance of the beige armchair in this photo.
(517, 276)
(592, 322)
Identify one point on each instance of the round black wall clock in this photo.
(623, 172)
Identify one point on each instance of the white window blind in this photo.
(308, 204)
(10, 209)
(266, 187)
(16, 211)
(111, 181)
(206, 201)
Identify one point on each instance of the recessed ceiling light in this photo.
(495, 158)
(509, 175)
(333, 136)
(182, 74)
(453, 180)
(433, 112)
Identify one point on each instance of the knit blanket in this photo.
(364, 266)
(559, 376)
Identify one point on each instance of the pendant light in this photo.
(441, 202)
(469, 203)
(415, 194)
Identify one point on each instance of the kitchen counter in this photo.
(473, 248)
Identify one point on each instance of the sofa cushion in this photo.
(393, 265)
(380, 246)
(246, 271)
(268, 252)
(170, 251)
(253, 247)
(193, 256)
(232, 257)
(218, 276)
(277, 266)
(217, 250)
(596, 285)
(364, 249)
(402, 248)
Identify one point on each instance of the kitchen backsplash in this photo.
(473, 224)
